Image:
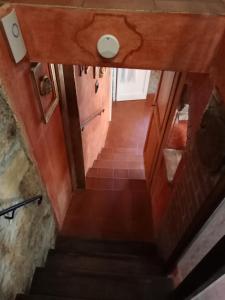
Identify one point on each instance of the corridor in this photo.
(115, 204)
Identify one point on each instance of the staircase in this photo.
(117, 169)
(115, 204)
(105, 250)
(108, 270)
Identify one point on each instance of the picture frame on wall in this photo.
(46, 89)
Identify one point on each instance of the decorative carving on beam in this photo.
(91, 33)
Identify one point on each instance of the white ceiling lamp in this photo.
(108, 46)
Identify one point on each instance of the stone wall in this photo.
(25, 240)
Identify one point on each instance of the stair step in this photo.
(66, 244)
(116, 173)
(115, 184)
(120, 157)
(118, 164)
(95, 286)
(109, 264)
(135, 151)
(43, 297)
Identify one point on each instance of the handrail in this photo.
(91, 117)
(13, 208)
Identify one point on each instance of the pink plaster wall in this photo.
(46, 142)
(94, 134)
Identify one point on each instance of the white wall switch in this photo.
(13, 33)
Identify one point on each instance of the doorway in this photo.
(130, 84)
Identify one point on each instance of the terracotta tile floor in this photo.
(130, 120)
(115, 215)
(115, 204)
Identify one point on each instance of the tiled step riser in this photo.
(134, 151)
(115, 184)
(109, 164)
(116, 173)
(120, 157)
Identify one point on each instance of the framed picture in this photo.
(45, 84)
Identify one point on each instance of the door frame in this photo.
(71, 124)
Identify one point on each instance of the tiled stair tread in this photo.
(113, 195)
(103, 264)
(71, 245)
(118, 164)
(107, 197)
(115, 184)
(100, 286)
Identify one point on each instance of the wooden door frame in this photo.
(71, 124)
(174, 97)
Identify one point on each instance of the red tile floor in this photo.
(115, 204)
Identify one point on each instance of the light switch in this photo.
(13, 33)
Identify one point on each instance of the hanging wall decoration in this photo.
(45, 85)
(94, 72)
(86, 69)
(102, 71)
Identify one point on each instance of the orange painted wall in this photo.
(46, 142)
(94, 134)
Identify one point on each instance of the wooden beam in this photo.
(149, 39)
